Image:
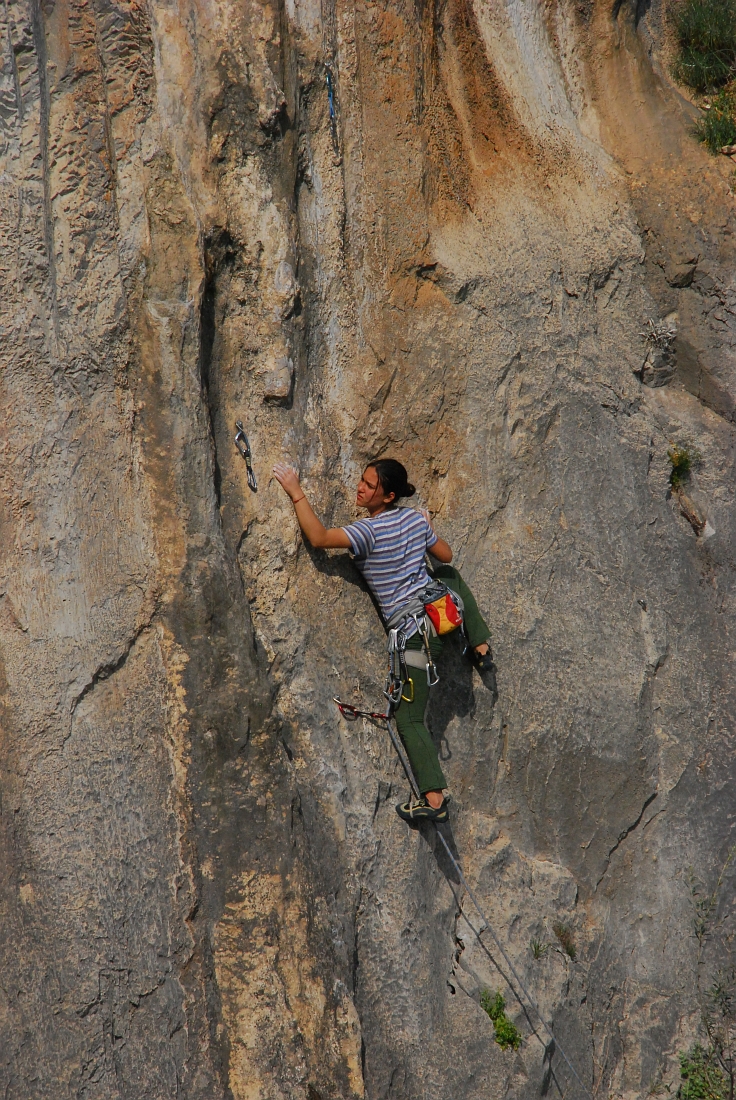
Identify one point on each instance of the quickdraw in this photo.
(241, 442)
(397, 674)
(333, 114)
(432, 673)
(351, 713)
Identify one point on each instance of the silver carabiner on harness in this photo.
(397, 674)
(420, 621)
(241, 442)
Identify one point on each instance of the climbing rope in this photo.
(352, 713)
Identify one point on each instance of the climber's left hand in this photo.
(288, 479)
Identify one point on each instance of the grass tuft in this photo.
(718, 126)
(564, 935)
(538, 948)
(706, 36)
(507, 1034)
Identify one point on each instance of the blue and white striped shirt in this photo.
(389, 551)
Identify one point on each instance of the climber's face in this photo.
(370, 493)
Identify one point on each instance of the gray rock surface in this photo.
(204, 889)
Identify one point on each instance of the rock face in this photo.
(435, 230)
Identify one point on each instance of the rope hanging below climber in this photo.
(352, 713)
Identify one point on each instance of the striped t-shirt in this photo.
(389, 551)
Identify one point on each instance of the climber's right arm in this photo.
(319, 536)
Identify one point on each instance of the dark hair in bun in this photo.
(393, 478)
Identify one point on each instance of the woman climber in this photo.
(388, 548)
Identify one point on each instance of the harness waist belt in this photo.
(414, 658)
(401, 614)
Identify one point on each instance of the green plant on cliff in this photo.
(715, 1065)
(538, 948)
(706, 40)
(507, 1034)
(701, 1078)
(718, 126)
(683, 458)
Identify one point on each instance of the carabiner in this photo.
(241, 442)
(347, 710)
(432, 674)
(330, 92)
(409, 698)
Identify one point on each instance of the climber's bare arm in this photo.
(319, 536)
(441, 549)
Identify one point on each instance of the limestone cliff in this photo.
(442, 230)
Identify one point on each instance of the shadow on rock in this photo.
(439, 852)
(336, 565)
(454, 696)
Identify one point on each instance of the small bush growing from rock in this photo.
(564, 935)
(682, 460)
(718, 127)
(538, 948)
(706, 36)
(507, 1034)
(702, 1079)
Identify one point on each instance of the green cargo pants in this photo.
(410, 716)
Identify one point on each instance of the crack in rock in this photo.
(106, 670)
(624, 834)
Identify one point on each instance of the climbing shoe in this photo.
(482, 661)
(420, 810)
(486, 668)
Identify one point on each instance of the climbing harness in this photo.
(436, 609)
(352, 713)
(333, 115)
(241, 442)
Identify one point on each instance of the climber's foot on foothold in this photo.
(482, 657)
(420, 810)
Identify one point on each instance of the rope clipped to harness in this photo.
(352, 713)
